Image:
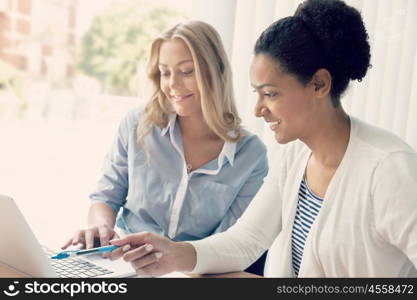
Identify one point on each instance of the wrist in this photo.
(185, 256)
(101, 215)
(101, 223)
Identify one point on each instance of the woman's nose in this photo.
(174, 81)
(260, 110)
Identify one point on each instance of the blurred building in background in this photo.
(38, 37)
(72, 59)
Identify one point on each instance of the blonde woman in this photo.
(183, 167)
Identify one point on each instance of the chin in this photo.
(282, 139)
(180, 109)
(182, 112)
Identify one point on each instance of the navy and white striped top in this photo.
(308, 207)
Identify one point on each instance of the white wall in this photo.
(387, 97)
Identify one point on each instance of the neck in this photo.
(195, 127)
(329, 137)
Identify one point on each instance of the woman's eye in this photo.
(187, 72)
(270, 94)
(164, 74)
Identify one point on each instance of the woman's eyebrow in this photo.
(264, 85)
(180, 63)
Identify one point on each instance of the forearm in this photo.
(229, 251)
(100, 213)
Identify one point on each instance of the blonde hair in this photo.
(214, 81)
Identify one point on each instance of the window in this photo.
(65, 82)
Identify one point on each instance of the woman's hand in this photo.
(154, 255)
(85, 238)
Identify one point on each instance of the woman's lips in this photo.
(274, 125)
(180, 98)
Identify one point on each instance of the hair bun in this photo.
(341, 33)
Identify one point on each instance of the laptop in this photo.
(21, 250)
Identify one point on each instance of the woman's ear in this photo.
(322, 82)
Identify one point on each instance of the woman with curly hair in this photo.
(183, 166)
(341, 198)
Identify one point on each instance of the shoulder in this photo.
(130, 120)
(133, 116)
(129, 123)
(378, 142)
(392, 160)
(250, 142)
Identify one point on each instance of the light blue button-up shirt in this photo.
(158, 195)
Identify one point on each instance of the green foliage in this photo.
(10, 79)
(12, 84)
(118, 42)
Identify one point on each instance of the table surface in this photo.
(8, 272)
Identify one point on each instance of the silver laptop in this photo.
(21, 250)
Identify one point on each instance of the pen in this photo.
(72, 253)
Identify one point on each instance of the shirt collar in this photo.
(170, 125)
(228, 150)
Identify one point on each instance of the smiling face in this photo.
(283, 101)
(178, 79)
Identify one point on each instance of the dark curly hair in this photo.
(322, 34)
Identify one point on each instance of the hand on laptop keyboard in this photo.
(94, 236)
(75, 267)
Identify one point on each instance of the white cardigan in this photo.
(367, 226)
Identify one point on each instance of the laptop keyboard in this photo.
(75, 267)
